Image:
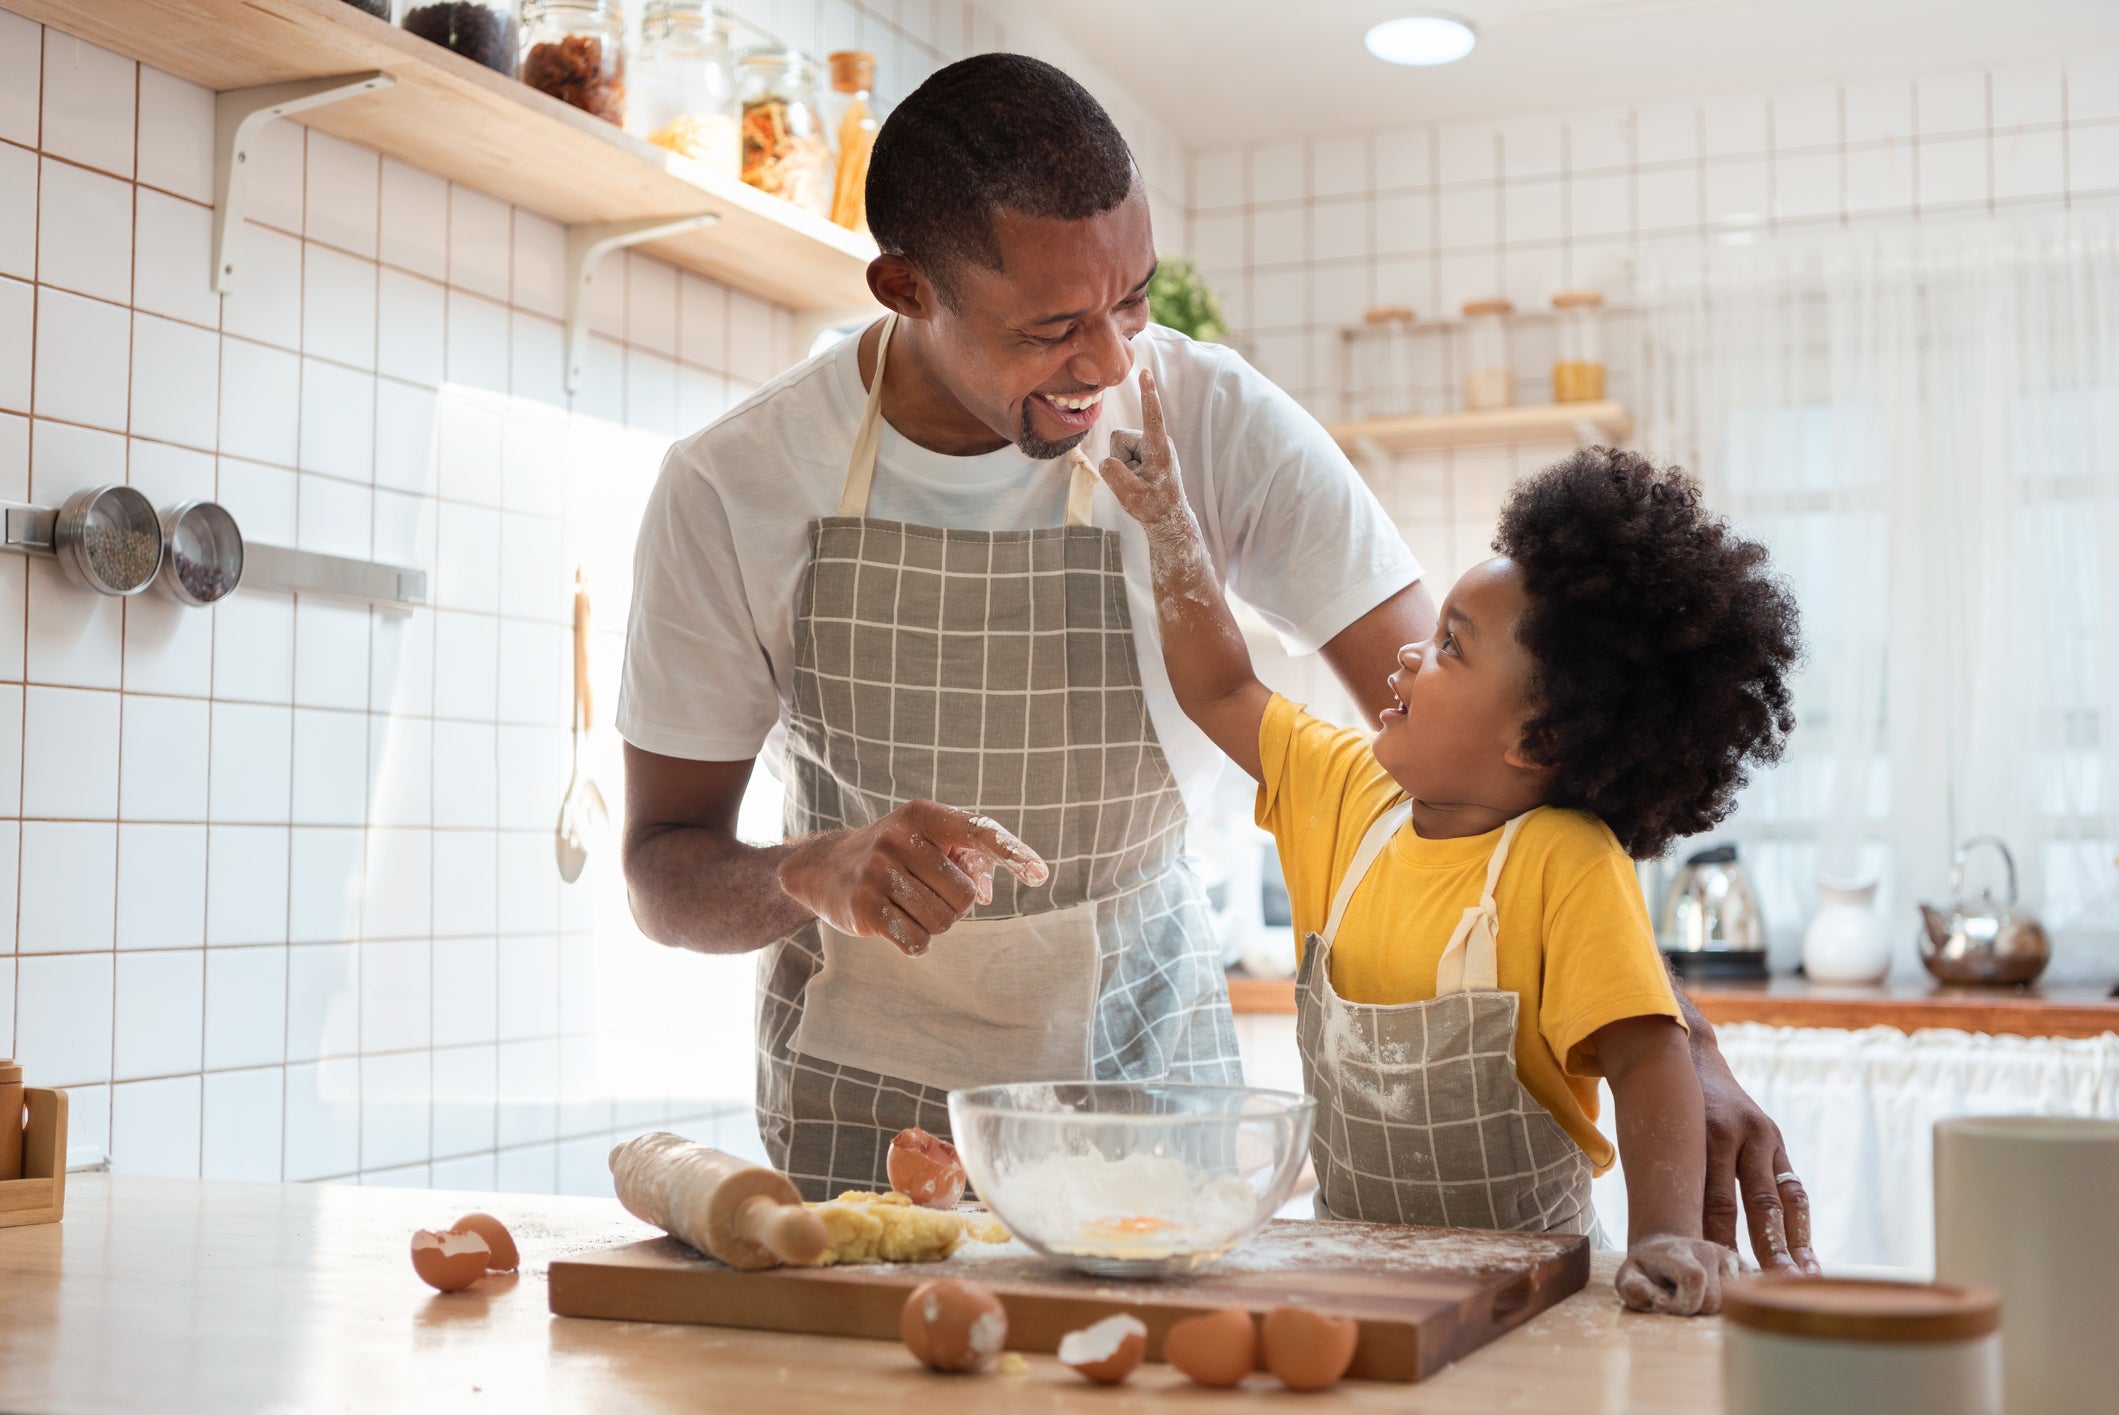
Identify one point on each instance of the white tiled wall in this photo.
(1300, 237)
(277, 890)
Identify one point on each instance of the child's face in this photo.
(1463, 696)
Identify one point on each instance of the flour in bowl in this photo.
(1141, 1206)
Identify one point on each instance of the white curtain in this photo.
(1923, 424)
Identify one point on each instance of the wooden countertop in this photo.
(2071, 1010)
(177, 1295)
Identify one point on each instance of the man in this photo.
(885, 571)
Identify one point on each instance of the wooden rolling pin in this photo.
(743, 1214)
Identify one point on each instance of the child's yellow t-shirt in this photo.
(1574, 945)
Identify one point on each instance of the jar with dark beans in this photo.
(202, 581)
(482, 32)
(378, 8)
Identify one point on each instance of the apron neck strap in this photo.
(1379, 835)
(1470, 962)
(868, 440)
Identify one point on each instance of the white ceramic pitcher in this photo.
(1845, 942)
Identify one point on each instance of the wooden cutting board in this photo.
(1424, 1296)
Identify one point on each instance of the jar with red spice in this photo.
(574, 50)
(786, 147)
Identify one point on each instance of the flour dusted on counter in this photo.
(1141, 1206)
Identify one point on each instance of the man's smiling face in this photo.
(1031, 348)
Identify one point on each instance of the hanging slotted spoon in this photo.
(582, 812)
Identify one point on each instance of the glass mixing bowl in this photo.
(1128, 1179)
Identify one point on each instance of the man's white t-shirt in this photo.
(710, 650)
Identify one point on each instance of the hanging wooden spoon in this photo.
(582, 811)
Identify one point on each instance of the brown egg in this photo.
(1307, 1349)
(503, 1258)
(953, 1326)
(1218, 1349)
(926, 1170)
(449, 1262)
(1106, 1352)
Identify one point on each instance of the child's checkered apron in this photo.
(1420, 1116)
(993, 671)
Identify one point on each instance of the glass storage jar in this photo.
(785, 150)
(1578, 366)
(480, 30)
(684, 84)
(1489, 375)
(1380, 351)
(850, 112)
(574, 50)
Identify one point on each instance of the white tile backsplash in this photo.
(62, 1018)
(161, 1009)
(18, 215)
(246, 1007)
(246, 884)
(88, 103)
(21, 69)
(161, 886)
(68, 888)
(79, 342)
(343, 185)
(176, 382)
(84, 231)
(165, 741)
(73, 774)
(176, 135)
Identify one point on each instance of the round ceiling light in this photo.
(1421, 40)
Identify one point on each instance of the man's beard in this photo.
(1036, 448)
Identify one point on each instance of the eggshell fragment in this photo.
(449, 1262)
(504, 1258)
(925, 1169)
(1218, 1349)
(950, 1325)
(1108, 1351)
(1307, 1349)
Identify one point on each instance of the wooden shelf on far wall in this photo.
(458, 119)
(1550, 422)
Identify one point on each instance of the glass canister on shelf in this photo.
(480, 30)
(683, 94)
(785, 150)
(1489, 375)
(1380, 382)
(850, 107)
(1578, 366)
(574, 50)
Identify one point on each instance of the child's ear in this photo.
(1522, 761)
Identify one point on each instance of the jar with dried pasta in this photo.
(785, 149)
(1489, 373)
(684, 84)
(574, 50)
(1578, 366)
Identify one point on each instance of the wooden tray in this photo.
(40, 1195)
(1424, 1296)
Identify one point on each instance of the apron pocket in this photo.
(993, 1001)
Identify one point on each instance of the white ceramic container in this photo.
(1845, 942)
(1856, 1346)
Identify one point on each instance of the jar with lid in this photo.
(1850, 1346)
(785, 150)
(1380, 351)
(849, 110)
(1489, 374)
(574, 50)
(684, 83)
(481, 30)
(1578, 366)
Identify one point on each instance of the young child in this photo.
(1477, 951)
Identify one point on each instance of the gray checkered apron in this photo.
(993, 671)
(1420, 1115)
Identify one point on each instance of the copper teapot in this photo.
(1980, 941)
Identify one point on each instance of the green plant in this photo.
(1177, 297)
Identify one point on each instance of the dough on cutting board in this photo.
(861, 1227)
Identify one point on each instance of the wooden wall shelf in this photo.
(460, 120)
(2058, 1011)
(1553, 422)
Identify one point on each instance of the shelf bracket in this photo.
(239, 115)
(588, 243)
(279, 567)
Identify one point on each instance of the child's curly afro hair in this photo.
(1663, 645)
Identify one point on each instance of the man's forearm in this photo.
(696, 888)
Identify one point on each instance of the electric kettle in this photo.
(1711, 927)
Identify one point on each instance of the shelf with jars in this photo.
(1409, 384)
(450, 105)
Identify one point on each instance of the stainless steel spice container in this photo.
(109, 539)
(204, 562)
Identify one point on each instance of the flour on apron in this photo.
(994, 671)
(1421, 1117)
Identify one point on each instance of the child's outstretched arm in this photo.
(1210, 668)
(1662, 1142)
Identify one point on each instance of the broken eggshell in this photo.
(926, 1169)
(449, 1262)
(1218, 1349)
(1307, 1349)
(949, 1325)
(1106, 1352)
(505, 1258)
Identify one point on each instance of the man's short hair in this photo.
(990, 133)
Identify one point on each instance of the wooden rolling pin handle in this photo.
(789, 1232)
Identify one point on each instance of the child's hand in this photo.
(1665, 1272)
(1142, 470)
